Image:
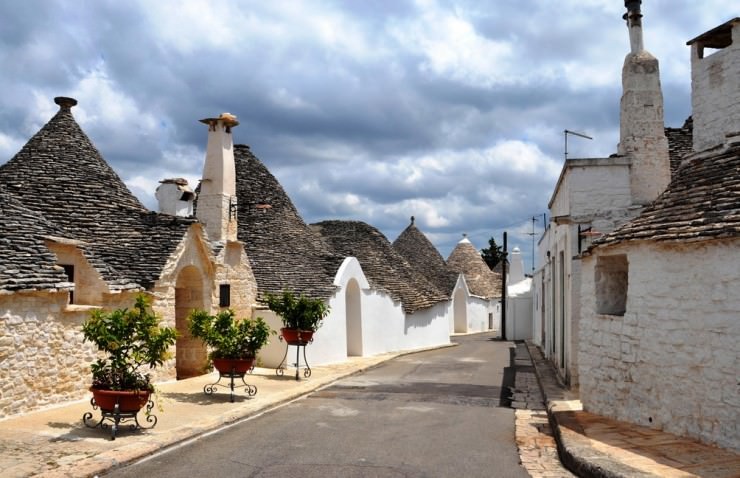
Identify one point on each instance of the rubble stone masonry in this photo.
(673, 365)
(42, 358)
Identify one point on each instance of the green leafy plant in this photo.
(297, 312)
(228, 337)
(132, 340)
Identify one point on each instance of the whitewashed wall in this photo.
(715, 94)
(385, 327)
(469, 313)
(519, 310)
(593, 192)
(672, 360)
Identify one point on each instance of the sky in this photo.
(374, 110)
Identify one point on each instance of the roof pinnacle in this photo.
(65, 102)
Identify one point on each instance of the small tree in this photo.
(132, 341)
(493, 254)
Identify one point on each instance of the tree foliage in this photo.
(132, 340)
(493, 254)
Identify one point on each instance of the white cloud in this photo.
(452, 48)
(9, 146)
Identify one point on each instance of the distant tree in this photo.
(493, 254)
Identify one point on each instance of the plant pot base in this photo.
(120, 407)
(232, 369)
(297, 338)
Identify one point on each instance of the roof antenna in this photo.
(566, 132)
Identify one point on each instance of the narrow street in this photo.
(433, 414)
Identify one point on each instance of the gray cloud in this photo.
(451, 111)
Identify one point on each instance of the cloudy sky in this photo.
(376, 110)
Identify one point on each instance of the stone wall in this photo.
(43, 360)
(671, 360)
(715, 92)
(642, 134)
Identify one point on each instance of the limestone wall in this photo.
(671, 360)
(42, 358)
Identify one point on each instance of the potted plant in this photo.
(133, 342)
(234, 343)
(301, 315)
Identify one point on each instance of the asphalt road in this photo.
(431, 414)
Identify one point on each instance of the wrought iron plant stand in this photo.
(298, 343)
(232, 374)
(117, 417)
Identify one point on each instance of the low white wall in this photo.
(672, 360)
(478, 310)
(519, 318)
(385, 327)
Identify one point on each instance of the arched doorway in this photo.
(353, 304)
(191, 355)
(459, 310)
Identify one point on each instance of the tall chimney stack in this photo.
(217, 197)
(642, 130)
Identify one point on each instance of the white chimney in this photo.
(642, 130)
(175, 197)
(516, 267)
(217, 197)
(715, 86)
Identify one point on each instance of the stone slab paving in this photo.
(595, 446)
(534, 437)
(55, 443)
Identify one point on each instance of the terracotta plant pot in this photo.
(296, 336)
(237, 366)
(128, 400)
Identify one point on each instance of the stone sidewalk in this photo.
(55, 443)
(594, 446)
(538, 450)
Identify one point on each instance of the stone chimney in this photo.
(516, 267)
(217, 197)
(175, 197)
(642, 130)
(715, 86)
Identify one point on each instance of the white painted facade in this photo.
(671, 359)
(363, 322)
(660, 323)
(518, 300)
(473, 314)
(592, 195)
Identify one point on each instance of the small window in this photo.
(69, 270)
(610, 278)
(224, 295)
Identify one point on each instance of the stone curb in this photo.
(129, 453)
(574, 449)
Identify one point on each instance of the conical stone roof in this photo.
(25, 261)
(421, 254)
(702, 202)
(61, 176)
(481, 280)
(384, 268)
(283, 251)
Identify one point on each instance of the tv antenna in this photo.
(566, 132)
